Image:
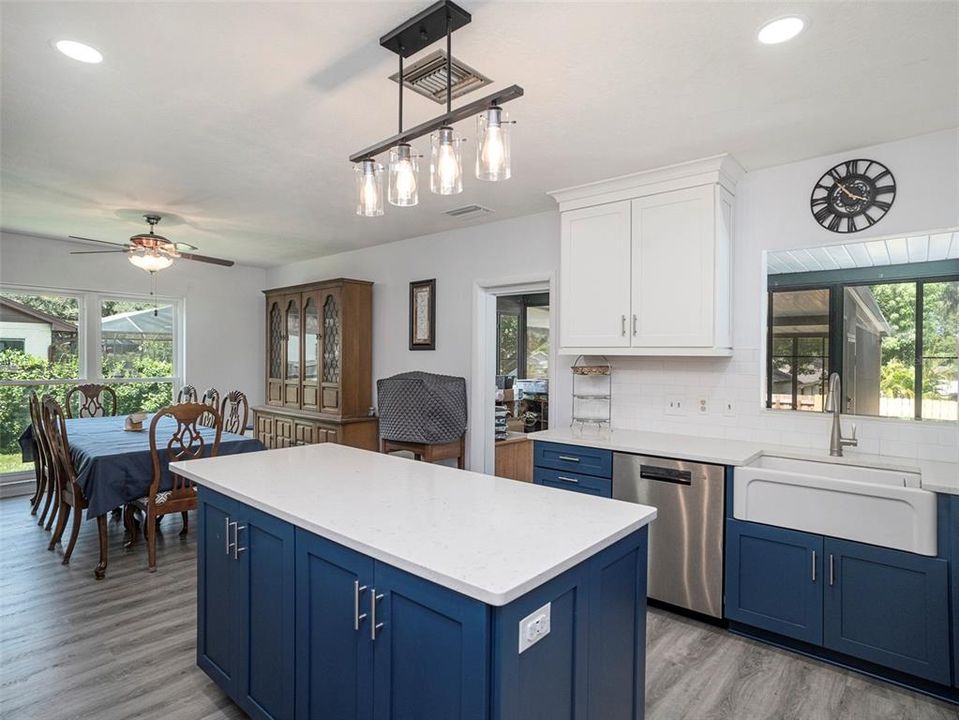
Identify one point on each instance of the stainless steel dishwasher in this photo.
(686, 539)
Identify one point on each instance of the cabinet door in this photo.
(283, 433)
(304, 433)
(332, 331)
(431, 654)
(217, 607)
(774, 579)
(292, 330)
(275, 348)
(334, 651)
(888, 607)
(312, 344)
(265, 636)
(264, 430)
(586, 484)
(673, 269)
(594, 277)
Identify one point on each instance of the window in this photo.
(522, 336)
(893, 342)
(50, 343)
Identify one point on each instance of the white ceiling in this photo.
(239, 117)
(868, 253)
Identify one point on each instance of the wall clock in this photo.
(853, 196)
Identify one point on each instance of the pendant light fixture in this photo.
(446, 153)
(369, 188)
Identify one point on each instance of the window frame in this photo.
(525, 301)
(836, 282)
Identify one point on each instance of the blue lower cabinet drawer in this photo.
(576, 459)
(603, 487)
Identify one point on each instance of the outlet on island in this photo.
(534, 627)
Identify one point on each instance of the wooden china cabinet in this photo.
(319, 366)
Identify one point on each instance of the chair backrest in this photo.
(187, 394)
(95, 401)
(185, 443)
(235, 412)
(41, 446)
(58, 443)
(211, 397)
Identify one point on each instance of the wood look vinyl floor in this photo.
(72, 647)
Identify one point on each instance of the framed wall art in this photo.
(423, 315)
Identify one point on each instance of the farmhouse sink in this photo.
(870, 505)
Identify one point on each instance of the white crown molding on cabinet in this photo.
(722, 170)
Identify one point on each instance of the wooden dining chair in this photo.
(211, 397)
(187, 394)
(70, 495)
(235, 412)
(95, 401)
(185, 443)
(46, 486)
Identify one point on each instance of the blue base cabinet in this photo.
(883, 606)
(353, 638)
(245, 605)
(572, 467)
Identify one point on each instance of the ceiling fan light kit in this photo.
(446, 157)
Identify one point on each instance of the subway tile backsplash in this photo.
(644, 387)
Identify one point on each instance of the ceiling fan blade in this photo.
(206, 259)
(102, 242)
(95, 252)
(184, 247)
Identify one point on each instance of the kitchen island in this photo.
(339, 583)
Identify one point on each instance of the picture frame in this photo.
(423, 315)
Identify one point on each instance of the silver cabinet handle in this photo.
(624, 325)
(634, 324)
(814, 566)
(374, 626)
(357, 616)
(567, 479)
(569, 458)
(832, 571)
(226, 533)
(236, 541)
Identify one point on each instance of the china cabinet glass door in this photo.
(292, 374)
(311, 351)
(331, 343)
(274, 345)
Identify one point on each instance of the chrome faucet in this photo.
(833, 404)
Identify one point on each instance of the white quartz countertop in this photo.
(486, 537)
(940, 477)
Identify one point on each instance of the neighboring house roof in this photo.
(13, 311)
(139, 322)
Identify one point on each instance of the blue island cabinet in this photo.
(369, 641)
(245, 605)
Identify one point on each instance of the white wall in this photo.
(772, 212)
(223, 306)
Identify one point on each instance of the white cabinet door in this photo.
(594, 277)
(673, 271)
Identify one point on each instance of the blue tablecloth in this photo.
(114, 466)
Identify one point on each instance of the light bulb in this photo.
(403, 171)
(492, 148)
(446, 167)
(369, 188)
(150, 261)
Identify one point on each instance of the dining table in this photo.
(114, 465)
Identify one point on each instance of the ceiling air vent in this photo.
(427, 76)
(468, 211)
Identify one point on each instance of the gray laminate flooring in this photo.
(72, 647)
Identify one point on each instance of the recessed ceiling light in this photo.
(79, 51)
(780, 30)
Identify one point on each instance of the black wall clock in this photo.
(853, 196)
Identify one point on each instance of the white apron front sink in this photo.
(870, 505)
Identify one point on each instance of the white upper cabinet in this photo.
(595, 277)
(645, 262)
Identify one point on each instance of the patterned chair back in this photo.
(235, 411)
(185, 443)
(94, 401)
(211, 397)
(55, 427)
(41, 444)
(187, 394)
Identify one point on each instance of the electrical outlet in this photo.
(675, 406)
(703, 407)
(729, 410)
(534, 627)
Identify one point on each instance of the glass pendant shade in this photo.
(492, 145)
(404, 169)
(150, 260)
(369, 188)
(446, 162)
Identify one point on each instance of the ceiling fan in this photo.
(151, 252)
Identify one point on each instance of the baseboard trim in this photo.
(17, 487)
